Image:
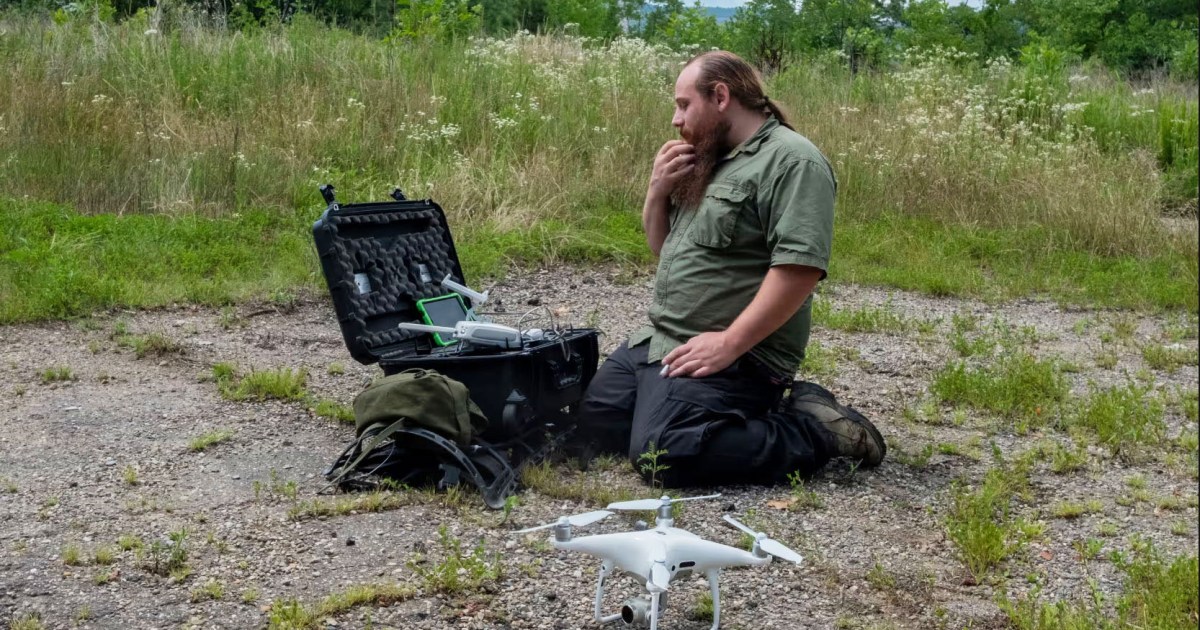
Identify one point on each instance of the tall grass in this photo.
(539, 145)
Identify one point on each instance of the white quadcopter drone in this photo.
(660, 555)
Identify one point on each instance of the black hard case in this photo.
(403, 249)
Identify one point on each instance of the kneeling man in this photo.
(740, 213)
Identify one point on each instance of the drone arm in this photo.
(714, 578)
(605, 571)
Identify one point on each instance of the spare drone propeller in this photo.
(578, 520)
(654, 504)
(773, 547)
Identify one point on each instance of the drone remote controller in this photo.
(478, 333)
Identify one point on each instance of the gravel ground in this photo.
(876, 551)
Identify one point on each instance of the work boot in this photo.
(850, 434)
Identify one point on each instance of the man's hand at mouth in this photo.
(674, 160)
(703, 355)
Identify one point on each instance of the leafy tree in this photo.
(436, 19)
(822, 24)
(659, 17)
(592, 18)
(696, 27)
(1125, 34)
(765, 32)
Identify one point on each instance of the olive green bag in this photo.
(412, 399)
(423, 399)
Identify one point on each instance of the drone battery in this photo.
(384, 263)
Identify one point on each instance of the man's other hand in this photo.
(703, 355)
(674, 160)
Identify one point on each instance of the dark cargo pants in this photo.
(721, 429)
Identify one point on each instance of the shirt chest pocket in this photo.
(717, 218)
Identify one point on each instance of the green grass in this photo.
(211, 590)
(1169, 358)
(557, 483)
(861, 319)
(1017, 386)
(72, 556)
(458, 571)
(130, 187)
(820, 363)
(377, 501)
(103, 556)
(212, 438)
(27, 621)
(334, 410)
(1126, 420)
(280, 384)
(703, 608)
(289, 614)
(57, 374)
(1072, 510)
(154, 344)
(980, 523)
(64, 264)
(1158, 593)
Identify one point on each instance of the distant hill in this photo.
(721, 13)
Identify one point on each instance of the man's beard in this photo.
(710, 145)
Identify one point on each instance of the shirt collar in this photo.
(751, 144)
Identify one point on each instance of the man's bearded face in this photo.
(708, 136)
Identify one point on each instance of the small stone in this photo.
(350, 542)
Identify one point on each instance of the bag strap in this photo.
(372, 444)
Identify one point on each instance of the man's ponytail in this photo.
(778, 112)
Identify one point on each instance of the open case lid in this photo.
(379, 259)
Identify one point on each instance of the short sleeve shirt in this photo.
(770, 203)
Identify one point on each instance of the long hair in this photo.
(745, 83)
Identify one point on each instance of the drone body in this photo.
(659, 556)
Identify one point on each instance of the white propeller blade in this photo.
(654, 504)
(729, 519)
(639, 504)
(768, 545)
(578, 520)
(777, 549)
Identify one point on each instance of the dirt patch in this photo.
(96, 447)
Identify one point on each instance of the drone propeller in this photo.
(578, 520)
(773, 547)
(654, 504)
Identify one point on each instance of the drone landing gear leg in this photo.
(605, 571)
(654, 610)
(714, 586)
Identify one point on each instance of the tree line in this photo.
(1134, 36)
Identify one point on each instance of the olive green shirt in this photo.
(770, 203)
